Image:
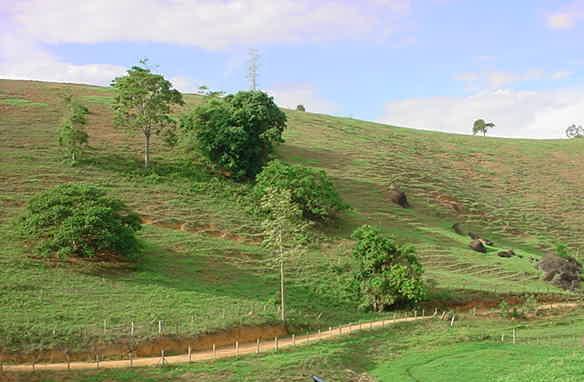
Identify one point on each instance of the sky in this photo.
(426, 64)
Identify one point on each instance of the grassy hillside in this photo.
(202, 267)
(409, 352)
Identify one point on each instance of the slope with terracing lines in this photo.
(203, 269)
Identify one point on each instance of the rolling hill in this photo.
(202, 268)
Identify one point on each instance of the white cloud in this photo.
(209, 24)
(302, 94)
(567, 16)
(21, 58)
(496, 79)
(560, 21)
(527, 114)
(184, 84)
(561, 75)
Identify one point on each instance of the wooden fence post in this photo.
(162, 358)
(514, 336)
(258, 346)
(131, 359)
(275, 343)
(190, 353)
(452, 321)
(214, 351)
(236, 349)
(97, 361)
(293, 340)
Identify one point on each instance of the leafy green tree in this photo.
(300, 108)
(72, 134)
(143, 102)
(80, 220)
(238, 132)
(284, 231)
(574, 131)
(387, 274)
(480, 126)
(311, 189)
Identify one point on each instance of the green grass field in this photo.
(409, 352)
(211, 275)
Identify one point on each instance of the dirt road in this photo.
(234, 351)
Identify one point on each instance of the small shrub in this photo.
(72, 134)
(300, 108)
(562, 250)
(312, 190)
(387, 274)
(80, 220)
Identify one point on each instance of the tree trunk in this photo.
(282, 279)
(146, 150)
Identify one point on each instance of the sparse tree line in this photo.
(236, 135)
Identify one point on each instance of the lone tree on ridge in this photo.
(143, 102)
(480, 126)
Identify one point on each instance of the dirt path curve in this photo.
(232, 351)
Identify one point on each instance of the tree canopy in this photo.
(238, 132)
(574, 131)
(387, 274)
(480, 126)
(80, 220)
(143, 103)
(311, 189)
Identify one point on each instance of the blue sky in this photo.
(432, 64)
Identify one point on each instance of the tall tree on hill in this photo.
(72, 134)
(143, 102)
(284, 231)
(480, 126)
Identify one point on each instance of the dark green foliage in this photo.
(72, 134)
(387, 274)
(311, 189)
(480, 126)
(237, 133)
(562, 250)
(80, 220)
(300, 108)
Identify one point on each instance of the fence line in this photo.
(234, 350)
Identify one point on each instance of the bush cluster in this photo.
(311, 189)
(80, 220)
(238, 132)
